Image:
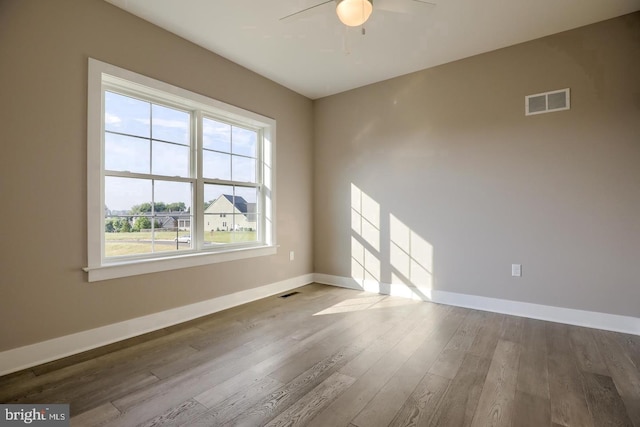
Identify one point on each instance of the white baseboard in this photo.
(590, 319)
(35, 354)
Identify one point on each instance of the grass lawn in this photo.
(116, 248)
(143, 235)
(120, 244)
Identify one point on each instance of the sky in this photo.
(148, 138)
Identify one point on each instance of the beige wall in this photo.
(449, 153)
(44, 46)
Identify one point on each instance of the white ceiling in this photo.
(315, 55)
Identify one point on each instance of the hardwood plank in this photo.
(512, 329)
(216, 377)
(568, 402)
(238, 344)
(313, 402)
(265, 307)
(84, 398)
(624, 373)
(144, 404)
(533, 372)
(531, 410)
(275, 403)
(396, 302)
(86, 393)
(178, 415)
(495, 407)
(459, 403)
(222, 390)
(353, 400)
(96, 352)
(88, 398)
(96, 416)
(422, 403)
(377, 325)
(10, 381)
(449, 361)
(125, 361)
(360, 334)
(605, 404)
(488, 335)
(261, 322)
(384, 406)
(383, 345)
(586, 351)
(630, 345)
(237, 404)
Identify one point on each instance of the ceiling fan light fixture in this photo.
(354, 12)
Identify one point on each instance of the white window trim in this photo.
(98, 269)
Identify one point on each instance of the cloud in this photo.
(175, 124)
(111, 119)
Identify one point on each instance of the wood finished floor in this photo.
(335, 357)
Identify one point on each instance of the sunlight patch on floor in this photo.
(368, 302)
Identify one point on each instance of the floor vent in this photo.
(289, 294)
(547, 102)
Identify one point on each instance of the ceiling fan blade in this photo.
(399, 6)
(304, 10)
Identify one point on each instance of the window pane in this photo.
(244, 169)
(125, 153)
(121, 194)
(246, 224)
(170, 159)
(214, 196)
(249, 220)
(173, 215)
(126, 115)
(125, 201)
(231, 215)
(172, 238)
(244, 142)
(216, 165)
(248, 194)
(170, 124)
(218, 213)
(216, 135)
(172, 197)
(243, 230)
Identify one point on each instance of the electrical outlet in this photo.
(516, 270)
(292, 256)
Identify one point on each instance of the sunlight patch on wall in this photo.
(411, 259)
(365, 217)
(365, 240)
(410, 268)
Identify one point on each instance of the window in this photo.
(164, 166)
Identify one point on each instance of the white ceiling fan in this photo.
(354, 13)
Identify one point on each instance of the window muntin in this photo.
(162, 151)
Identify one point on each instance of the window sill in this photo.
(133, 268)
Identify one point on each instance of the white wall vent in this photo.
(556, 100)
